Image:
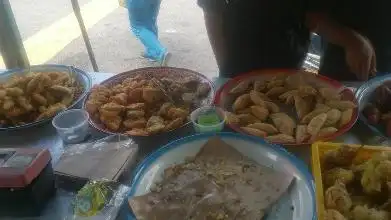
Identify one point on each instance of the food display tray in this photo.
(223, 100)
(364, 95)
(318, 149)
(82, 77)
(152, 71)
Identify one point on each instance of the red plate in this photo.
(225, 101)
(161, 71)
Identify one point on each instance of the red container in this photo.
(26, 181)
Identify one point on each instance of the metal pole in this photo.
(76, 10)
(11, 45)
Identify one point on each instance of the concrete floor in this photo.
(181, 26)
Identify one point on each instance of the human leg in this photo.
(141, 16)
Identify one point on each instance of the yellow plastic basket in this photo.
(318, 150)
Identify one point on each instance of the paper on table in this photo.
(102, 160)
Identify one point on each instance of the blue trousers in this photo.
(143, 22)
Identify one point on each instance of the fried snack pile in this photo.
(378, 110)
(36, 96)
(261, 108)
(142, 106)
(356, 190)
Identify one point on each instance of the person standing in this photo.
(143, 21)
(247, 35)
(372, 20)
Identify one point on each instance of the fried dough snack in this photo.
(36, 96)
(358, 188)
(143, 105)
(318, 111)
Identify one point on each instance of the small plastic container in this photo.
(72, 125)
(208, 119)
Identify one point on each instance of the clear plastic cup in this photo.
(72, 125)
(215, 115)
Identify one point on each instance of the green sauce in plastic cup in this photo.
(208, 119)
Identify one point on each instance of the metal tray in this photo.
(82, 77)
(152, 71)
(364, 95)
(225, 101)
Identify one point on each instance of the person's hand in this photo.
(361, 57)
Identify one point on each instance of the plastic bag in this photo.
(98, 200)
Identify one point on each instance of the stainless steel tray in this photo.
(364, 94)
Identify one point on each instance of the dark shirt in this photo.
(369, 18)
(262, 33)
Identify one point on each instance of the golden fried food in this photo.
(341, 175)
(176, 123)
(333, 116)
(32, 85)
(336, 197)
(135, 114)
(268, 128)
(275, 83)
(284, 123)
(301, 133)
(307, 118)
(272, 107)
(67, 99)
(288, 97)
(8, 104)
(40, 99)
(152, 95)
(281, 138)
(241, 102)
(135, 95)
(254, 131)
(61, 90)
(307, 91)
(148, 104)
(256, 98)
(24, 103)
(316, 124)
(365, 213)
(346, 116)
(327, 131)
(231, 118)
(332, 214)
(112, 106)
(341, 105)
(341, 157)
(3, 93)
(275, 91)
(241, 87)
(137, 132)
(318, 111)
(35, 96)
(246, 119)
(260, 112)
(136, 106)
(245, 111)
(121, 98)
(111, 122)
(303, 105)
(51, 111)
(14, 92)
(330, 93)
(175, 113)
(139, 123)
(259, 85)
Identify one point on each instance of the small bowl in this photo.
(214, 113)
(72, 125)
